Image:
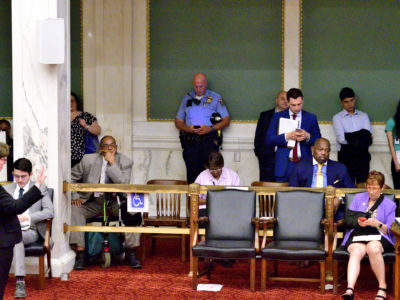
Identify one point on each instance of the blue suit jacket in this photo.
(336, 172)
(308, 123)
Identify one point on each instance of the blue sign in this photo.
(138, 202)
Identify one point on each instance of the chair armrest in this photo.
(201, 220)
(47, 235)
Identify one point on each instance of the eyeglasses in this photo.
(108, 146)
(215, 170)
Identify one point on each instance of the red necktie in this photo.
(295, 156)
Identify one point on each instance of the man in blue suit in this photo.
(304, 136)
(320, 171)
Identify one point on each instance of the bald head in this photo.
(321, 150)
(281, 101)
(200, 84)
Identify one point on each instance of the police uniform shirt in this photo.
(199, 114)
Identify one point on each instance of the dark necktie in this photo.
(295, 156)
(21, 193)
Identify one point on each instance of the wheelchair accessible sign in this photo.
(138, 202)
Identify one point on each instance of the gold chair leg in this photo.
(195, 271)
(41, 273)
(49, 263)
(253, 274)
(143, 246)
(335, 276)
(183, 237)
(263, 274)
(322, 276)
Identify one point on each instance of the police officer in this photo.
(197, 133)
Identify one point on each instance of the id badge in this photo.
(397, 140)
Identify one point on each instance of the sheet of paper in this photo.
(288, 125)
(367, 238)
(209, 287)
(243, 188)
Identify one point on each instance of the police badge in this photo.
(209, 99)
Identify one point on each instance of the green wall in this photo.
(76, 66)
(237, 44)
(6, 55)
(5, 59)
(355, 44)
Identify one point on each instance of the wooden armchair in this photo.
(41, 248)
(230, 230)
(396, 231)
(168, 214)
(298, 234)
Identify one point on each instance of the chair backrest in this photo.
(230, 212)
(350, 197)
(168, 204)
(50, 192)
(299, 215)
(266, 202)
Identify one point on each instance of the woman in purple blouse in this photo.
(379, 238)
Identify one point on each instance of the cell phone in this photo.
(362, 219)
(196, 126)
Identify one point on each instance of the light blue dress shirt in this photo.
(200, 114)
(315, 170)
(344, 122)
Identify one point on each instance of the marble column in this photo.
(107, 67)
(41, 105)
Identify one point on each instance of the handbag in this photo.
(353, 215)
(91, 143)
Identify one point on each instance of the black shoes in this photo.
(131, 259)
(380, 296)
(80, 260)
(348, 296)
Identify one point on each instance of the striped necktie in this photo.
(21, 193)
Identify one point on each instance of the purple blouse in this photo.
(385, 213)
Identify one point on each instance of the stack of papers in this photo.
(288, 125)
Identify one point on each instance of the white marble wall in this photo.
(41, 107)
(107, 66)
(160, 156)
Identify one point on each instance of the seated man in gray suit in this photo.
(31, 220)
(106, 166)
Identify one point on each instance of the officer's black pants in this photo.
(195, 156)
(6, 256)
